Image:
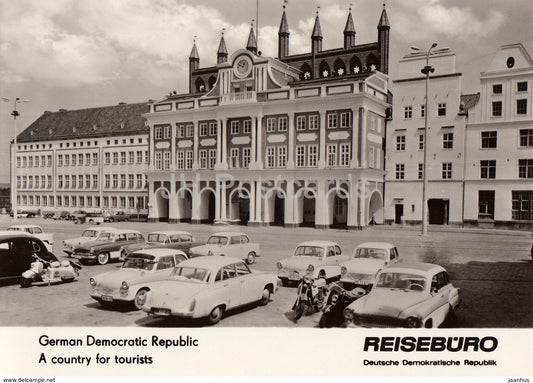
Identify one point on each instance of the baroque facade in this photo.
(296, 140)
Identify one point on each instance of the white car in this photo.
(139, 268)
(313, 258)
(89, 234)
(230, 244)
(205, 287)
(368, 258)
(36, 231)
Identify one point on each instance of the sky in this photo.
(76, 54)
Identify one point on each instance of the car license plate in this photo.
(362, 282)
(164, 312)
(107, 298)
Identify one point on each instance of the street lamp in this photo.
(426, 71)
(14, 113)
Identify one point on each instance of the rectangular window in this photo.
(522, 205)
(408, 112)
(371, 157)
(140, 203)
(283, 123)
(212, 128)
(36, 161)
(312, 155)
(282, 156)
(332, 121)
(525, 168)
(400, 143)
(115, 158)
(420, 171)
(49, 182)
(95, 181)
(247, 128)
(271, 156)
(166, 132)
(106, 202)
(489, 139)
(131, 202)
(212, 158)
(87, 181)
(446, 170)
(203, 159)
(300, 122)
(526, 138)
(181, 131)
(345, 120)
(313, 122)
(89, 201)
(123, 158)
(30, 182)
(49, 160)
(18, 181)
(87, 159)
(420, 142)
(95, 159)
(246, 155)
(422, 110)
(43, 161)
(158, 160)
(37, 183)
(81, 201)
(234, 157)
(180, 160)
(139, 183)
(107, 158)
(30, 161)
(59, 160)
(18, 162)
(447, 141)
(300, 156)
(146, 156)
(188, 159)
(25, 161)
(332, 155)
(122, 202)
(521, 86)
(123, 181)
(67, 182)
(158, 133)
(107, 181)
(441, 111)
(131, 158)
(497, 89)
(344, 156)
(271, 125)
(204, 129)
(234, 127)
(166, 160)
(139, 156)
(521, 106)
(400, 171)
(190, 131)
(488, 168)
(486, 204)
(74, 182)
(131, 181)
(496, 109)
(74, 159)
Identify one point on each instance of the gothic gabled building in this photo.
(293, 140)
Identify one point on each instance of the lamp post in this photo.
(426, 71)
(14, 113)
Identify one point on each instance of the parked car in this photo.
(16, 254)
(231, 244)
(139, 268)
(107, 246)
(90, 234)
(93, 218)
(172, 239)
(406, 294)
(59, 215)
(117, 216)
(78, 216)
(368, 258)
(318, 259)
(206, 287)
(37, 231)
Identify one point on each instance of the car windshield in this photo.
(217, 240)
(370, 253)
(310, 251)
(402, 281)
(89, 233)
(189, 272)
(104, 236)
(138, 263)
(159, 238)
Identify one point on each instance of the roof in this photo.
(375, 245)
(349, 27)
(319, 243)
(222, 50)
(194, 53)
(119, 231)
(384, 20)
(229, 233)
(116, 120)
(23, 226)
(283, 26)
(252, 42)
(425, 268)
(210, 262)
(317, 31)
(159, 252)
(170, 232)
(469, 100)
(10, 234)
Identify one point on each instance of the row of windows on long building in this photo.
(84, 181)
(84, 159)
(79, 201)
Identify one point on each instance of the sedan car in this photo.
(16, 254)
(406, 294)
(108, 246)
(205, 287)
(318, 259)
(139, 268)
(89, 234)
(232, 244)
(171, 239)
(37, 231)
(368, 258)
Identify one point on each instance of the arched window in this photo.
(200, 85)
(355, 65)
(306, 72)
(212, 81)
(339, 67)
(324, 70)
(371, 63)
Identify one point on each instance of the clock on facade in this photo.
(242, 66)
(510, 62)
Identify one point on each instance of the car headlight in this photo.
(92, 281)
(310, 268)
(348, 314)
(344, 270)
(124, 287)
(279, 265)
(334, 298)
(413, 322)
(192, 305)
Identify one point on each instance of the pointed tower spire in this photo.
(349, 31)
(316, 37)
(194, 62)
(222, 54)
(251, 45)
(383, 41)
(283, 36)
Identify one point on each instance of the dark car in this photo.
(63, 214)
(117, 216)
(78, 216)
(108, 246)
(16, 255)
(171, 239)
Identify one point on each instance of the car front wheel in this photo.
(103, 258)
(265, 298)
(141, 295)
(215, 315)
(250, 258)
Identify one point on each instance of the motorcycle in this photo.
(338, 299)
(42, 272)
(311, 296)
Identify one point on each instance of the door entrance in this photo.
(438, 211)
(398, 213)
